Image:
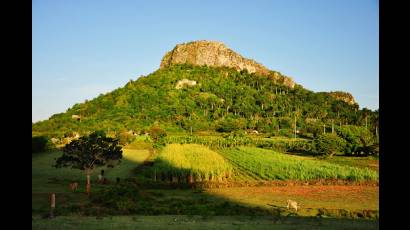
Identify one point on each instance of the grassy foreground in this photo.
(44, 174)
(261, 207)
(198, 222)
(46, 179)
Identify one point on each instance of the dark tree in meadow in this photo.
(89, 152)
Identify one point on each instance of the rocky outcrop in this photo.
(216, 54)
(343, 96)
(185, 82)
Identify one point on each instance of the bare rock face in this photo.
(343, 96)
(185, 82)
(216, 54)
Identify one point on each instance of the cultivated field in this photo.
(261, 164)
(197, 161)
(238, 206)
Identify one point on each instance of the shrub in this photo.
(125, 138)
(286, 133)
(356, 138)
(122, 198)
(230, 124)
(329, 144)
(301, 146)
(40, 144)
(368, 150)
(157, 135)
(315, 129)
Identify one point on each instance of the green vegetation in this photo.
(270, 165)
(369, 162)
(176, 222)
(46, 178)
(157, 135)
(357, 139)
(40, 144)
(191, 161)
(282, 144)
(224, 100)
(89, 152)
(125, 138)
(231, 127)
(329, 144)
(135, 198)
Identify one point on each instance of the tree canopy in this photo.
(222, 97)
(90, 151)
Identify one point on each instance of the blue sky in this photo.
(83, 48)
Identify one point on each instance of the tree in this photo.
(329, 144)
(221, 93)
(89, 152)
(355, 136)
(125, 137)
(40, 144)
(157, 135)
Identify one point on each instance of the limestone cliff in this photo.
(344, 96)
(216, 54)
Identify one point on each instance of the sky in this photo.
(83, 48)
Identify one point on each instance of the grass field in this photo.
(43, 173)
(47, 179)
(360, 162)
(311, 198)
(247, 207)
(198, 222)
(259, 164)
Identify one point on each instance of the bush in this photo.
(329, 144)
(301, 146)
(315, 129)
(286, 133)
(157, 135)
(121, 199)
(230, 124)
(368, 150)
(125, 138)
(356, 138)
(40, 144)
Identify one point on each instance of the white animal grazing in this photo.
(292, 204)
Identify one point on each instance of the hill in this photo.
(205, 86)
(216, 54)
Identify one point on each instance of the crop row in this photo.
(190, 163)
(283, 145)
(271, 165)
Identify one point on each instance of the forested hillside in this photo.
(217, 99)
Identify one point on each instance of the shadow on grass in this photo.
(174, 195)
